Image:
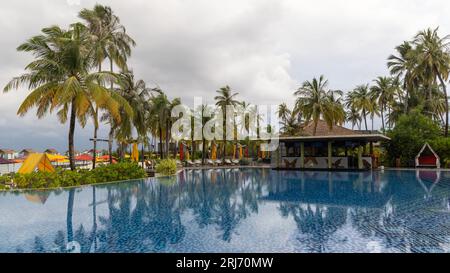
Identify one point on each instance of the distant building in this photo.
(97, 152)
(26, 152)
(51, 151)
(76, 153)
(327, 148)
(8, 154)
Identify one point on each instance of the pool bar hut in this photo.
(337, 148)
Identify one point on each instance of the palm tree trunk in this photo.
(111, 130)
(365, 118)
(94, 150)
(142, 154)
(224, 133)
(110, 143)
(446, 103)
(161, 142)
(203, 150)
(382, 118)
(167, 138)
(94, 153)
(71, 136)
(372, 117)
(405, 86)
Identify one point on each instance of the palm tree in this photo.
(315, 101)
(60, 78)
(225, 98)
(402, 66)
(433, 62)
(138, 96)
(110, 41)
(161, 110)
(360, 99)
(284, 113)
(383, 92)
(354, 116)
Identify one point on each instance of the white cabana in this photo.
(428, 161)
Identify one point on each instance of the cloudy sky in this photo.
(263, 49)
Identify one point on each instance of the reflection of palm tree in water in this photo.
(317, 224)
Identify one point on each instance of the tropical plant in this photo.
(433, 61)
(166, 167)
(60, 78)
(360, 100)
(225, 98)
(316, 102)
(110, 41)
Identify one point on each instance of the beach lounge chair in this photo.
(197, 163)
(218, 162)
(235, 161)
(189, 163)
(228, 162)
(210, 162)
(179, 163)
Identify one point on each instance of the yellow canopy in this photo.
(234, 151)
(39, 161)
(54, 158)
(240, 152)
(213, 152)
(187, 156)
(135, 153)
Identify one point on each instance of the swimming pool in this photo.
(248, 210)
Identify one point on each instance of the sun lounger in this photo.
(218, 162)
(210, 162)
(228, 162)
(197, 163)
(189, 163)
(235, 162)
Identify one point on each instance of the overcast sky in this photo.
(263, 49)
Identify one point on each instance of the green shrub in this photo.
(68, 178)
(244, 162)
(167, 167)
(409, 135)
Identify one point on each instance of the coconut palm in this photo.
(402, 66)
(110, 41)
(354, 117)
(138, 96)
(60, 78)
(361, 100)
(433, 62)
(284, 112)
(383, 92)
(225, 98)
(316, 102)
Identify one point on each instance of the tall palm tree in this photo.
(111, 42)
(354, 116)
(225, 98)
(383, 93)
(284, 113)
(60, 77)
(316, 102)
(361, 100)
(161, 114)
(433, 61)
(138, 96)
(402, 67)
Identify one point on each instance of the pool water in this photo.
(248, 210)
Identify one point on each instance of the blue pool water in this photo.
(252, 210)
